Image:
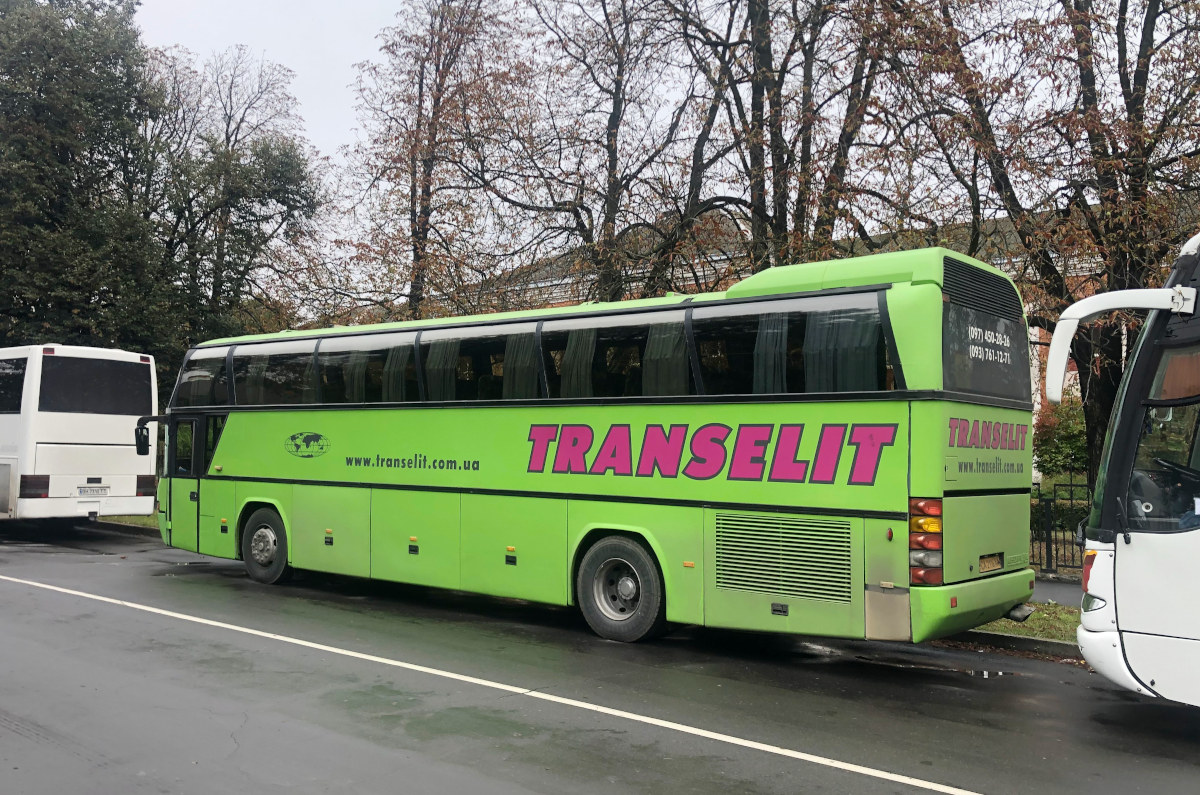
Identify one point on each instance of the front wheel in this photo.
(620, 591)
(264, 547)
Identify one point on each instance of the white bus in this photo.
(67, 417)
(1139, 626)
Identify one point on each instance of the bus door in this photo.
(1155, 562)
(183, 468)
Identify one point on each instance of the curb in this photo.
(1000, 640)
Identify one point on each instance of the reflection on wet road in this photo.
(213, 683)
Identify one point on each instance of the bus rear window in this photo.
(985, 354)
(985, 345)
(12, 383)
(73, 385)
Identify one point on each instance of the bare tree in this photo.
(1082, 118)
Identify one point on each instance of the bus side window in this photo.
(182, 449)
(277, 373)
(12, 385)
(214, 426)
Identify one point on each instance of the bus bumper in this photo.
(1103, 652)
(941, 610)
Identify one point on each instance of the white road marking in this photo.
(521, 691)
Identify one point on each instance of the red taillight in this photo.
(924, 540)
(928, 576)
(925, 533)
(1089, 558)
(146, 486)
(925, 506)
(34, 486)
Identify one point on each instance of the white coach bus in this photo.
(1139, 626)
(67, 418)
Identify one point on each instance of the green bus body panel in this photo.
(536, 530)
(182, 514)
(755, 583)
(218, 538)
(489, 449)
(331, 530)
(977, 602)
(916, 313)
(397, 517)
(978, 527)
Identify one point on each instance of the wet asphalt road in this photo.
(100, 696)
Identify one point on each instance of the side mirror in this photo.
(141, 439)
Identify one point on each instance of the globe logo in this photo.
(306, 444)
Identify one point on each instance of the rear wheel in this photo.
(264, 547)
(620, 590)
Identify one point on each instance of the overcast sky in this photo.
(318, 40)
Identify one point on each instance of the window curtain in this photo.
(577, 363)
(308, 392)
(256, 375)
(520, 368)
(441, 371)
(665, 364)
(395, 368)
(770, 354)
(841, 351)
(354, 373)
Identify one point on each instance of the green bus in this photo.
(834, 448)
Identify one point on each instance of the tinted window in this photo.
(617, 356)
(204, 380)
(12, 383)
(984, 354)
(275, 373)
(827, 344)
(374, 369)
(95, 386)
(481, 364)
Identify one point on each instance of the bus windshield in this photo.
(75, 385)
(1165, 481)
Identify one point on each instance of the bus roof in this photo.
(917, 266)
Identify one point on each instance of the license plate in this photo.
(991, 563)
(93, 491)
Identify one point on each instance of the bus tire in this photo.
(620, 591)
(264, 547)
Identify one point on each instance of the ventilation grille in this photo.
(979, 289)
(805, 558)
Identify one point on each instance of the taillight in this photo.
(34, 486)
(922, 576)
(925, 541)
(1089, 557)
(146, 485)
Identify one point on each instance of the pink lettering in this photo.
(750, 452)
(869, 441)
(615, 453)
(661, 450)
(974, 434)
(829, 452)
(964, 433)
(708, 452)
(541, 436)
(784, 466)
(572, 447)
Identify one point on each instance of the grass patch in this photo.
(142, 521)
(1049, 622)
